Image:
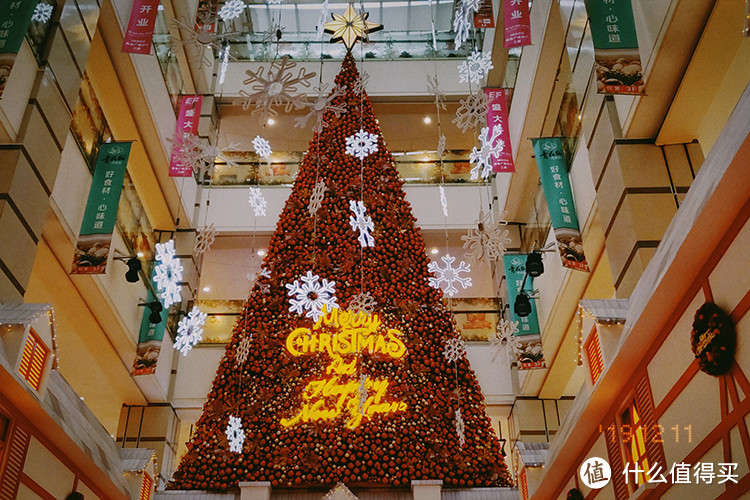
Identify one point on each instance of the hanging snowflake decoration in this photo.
(311, 295)
(168, 273)
(472, 112)
(441, 146)
(475, 67)
(462, 25)
(42, 13)
(449, 275)
(231, 10)
(443, 201)
(434, 89)
(258, 202)
(204, 238)
(454, 349)
(361, 144)
(362, 392)
(262, 147)
(460, 428)
(201, 40)
(187, 150)
(362, 223)
(504, 339)
(190, 330)
(224, 58)
(361, 83)
(363, 302)
(491, 148)
(489, 240)
(316, 198)
(235, 435)
(322, 19)
(207, 154)
(323, 105)
(242, 352)
(275, 89)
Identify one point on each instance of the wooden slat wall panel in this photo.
(615, 462)
(14, 466)
(644, 402)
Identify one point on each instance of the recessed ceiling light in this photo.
(261, 252)
(206, 289)
(271, 121)
(434, 251)
(427, 120)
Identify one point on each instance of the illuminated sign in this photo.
(347, 334)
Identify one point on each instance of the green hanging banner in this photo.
(15, 17)
(150, 339)
(553, 172)
(618, 62)
(529, 335)
(95, 239)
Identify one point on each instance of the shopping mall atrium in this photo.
(386, 250)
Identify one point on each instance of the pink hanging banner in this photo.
(141, 26)
(497, 116)
(187, 123)
(517, 23)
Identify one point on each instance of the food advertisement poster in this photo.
(553, 172)
(140, 32)
(617, 60)
(95, 238)
(529, 335)
(150, 338)
(497, 116)
(14, 21)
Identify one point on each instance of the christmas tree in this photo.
(338, 368)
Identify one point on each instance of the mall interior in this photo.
(624, 368)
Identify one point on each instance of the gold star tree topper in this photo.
(350, 27)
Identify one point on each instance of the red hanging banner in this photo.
(517, 23)
(141, 26)
(484, 17)
(497, 116)
(187, 123)
(205, 16)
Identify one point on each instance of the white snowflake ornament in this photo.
(168, 273)
(361, 83)
(454, 349)
(316, 198)
(262, 147)
(258, 202)
(204, 238)
(190, 330)
(460, 428)
(242, 352)
(362, 223)
(462, 25)
(505, 340)
(434, 89)
(277, 88)
(322, 19)
(231, 10)
(475, 67)
(441, 147)
(489, 240)
(235, 435)
(42, 13)
(361, 144)
(449, 275)
(491, 148)
(201, 40)
(363, 302)
(322, 105)
(310, 295)
(472, 112)
(443, 201)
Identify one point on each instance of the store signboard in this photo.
(529, 335)
(14, 22)
(517, 23)
(617, 59)
(95, 238)
(140, 32)
(187, 123)
(497, 116)
(553, 172)
(150, 338)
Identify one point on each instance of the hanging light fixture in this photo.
(134, 266)
(522, 305)
(534, 264)
(156, 309)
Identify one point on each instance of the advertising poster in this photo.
(484, 17)
(100, 215)
(187, 123)
(529, 335)
(617, 60)
(517, 23)
(553, 172)
(141, 26)
(497, 116)
(14, 22)
(150, 338)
